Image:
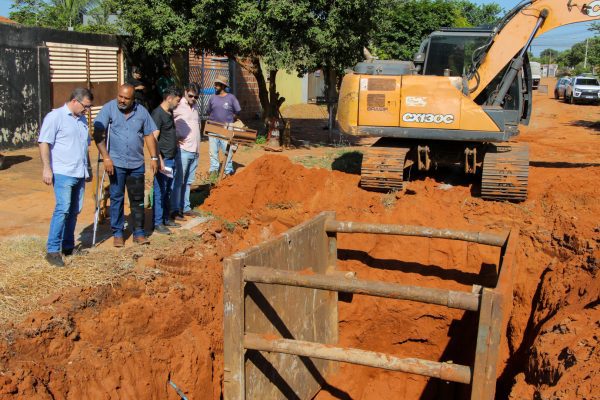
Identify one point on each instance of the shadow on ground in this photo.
(349, 162)
(594, 125)
(8, 161)
(550, 164)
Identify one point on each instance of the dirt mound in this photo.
(559, 236)
(126, 341)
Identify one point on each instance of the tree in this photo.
(549, 55)
(272, 35)
(58, 14)
(479, 14)
(404, 24)
(340, 32)
(27, 12)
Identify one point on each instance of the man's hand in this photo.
(154, 165)
(162, 164)
(109, 166)
(90, 176)
(47, 176)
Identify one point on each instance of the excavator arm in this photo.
(525, 22)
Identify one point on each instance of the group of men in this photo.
(123, 126)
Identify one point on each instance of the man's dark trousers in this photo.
(163, 189)
(133, 179)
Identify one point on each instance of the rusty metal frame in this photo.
(299, 360)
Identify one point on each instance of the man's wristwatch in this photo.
(154, 158)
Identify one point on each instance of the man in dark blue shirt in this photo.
(127, 126)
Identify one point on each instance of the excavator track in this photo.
(383, 168)
(505, 172)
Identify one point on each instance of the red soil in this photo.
(128, 341)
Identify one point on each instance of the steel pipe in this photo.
(449, 298)
(489, 239)
(434, 369)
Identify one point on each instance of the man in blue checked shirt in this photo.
(64, 141)
(129, 126)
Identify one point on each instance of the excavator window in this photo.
(452, 51)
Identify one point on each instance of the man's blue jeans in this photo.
(214, 145)
(118, 180)
(163, 187)
(187, 163)
(68, 192)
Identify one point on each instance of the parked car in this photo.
(583, 89)
(559, 89)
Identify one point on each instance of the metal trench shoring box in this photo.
(279, 311)
(281, 318)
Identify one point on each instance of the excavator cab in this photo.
(449, 52)
(452, 52)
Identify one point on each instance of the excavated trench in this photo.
(164, 323)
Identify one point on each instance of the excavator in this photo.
(459, 103)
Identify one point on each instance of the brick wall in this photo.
(246, 86)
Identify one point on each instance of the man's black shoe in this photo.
(73, 252)
(172, 224)
(162, 229)
(177, 216)
(55, 259)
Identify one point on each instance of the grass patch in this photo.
(345, 160)
(26, 277)
(243, 223)
(282, 205)
(389, 199)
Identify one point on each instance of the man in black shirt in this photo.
(168, 148)
(140, 86)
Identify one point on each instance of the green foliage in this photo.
(549, 54)
(575, 56)
(157, 26)
(479, 14)
(28, 12)
(63, 14)
(403, 24)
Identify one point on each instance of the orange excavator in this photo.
(458, 103)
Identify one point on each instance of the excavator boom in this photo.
(512, 36)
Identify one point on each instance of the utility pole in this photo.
(586, 51)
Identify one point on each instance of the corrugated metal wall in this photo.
(98, 68)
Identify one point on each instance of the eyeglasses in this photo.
(83, 105)
(191, 96)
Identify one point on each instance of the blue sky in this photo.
(559, 39)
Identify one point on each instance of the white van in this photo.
(536, 73)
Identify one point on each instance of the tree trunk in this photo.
(267, 96)
(331, 94)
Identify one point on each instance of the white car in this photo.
(583, 89)
(561, 85)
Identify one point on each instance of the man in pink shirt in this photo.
(187, 124)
